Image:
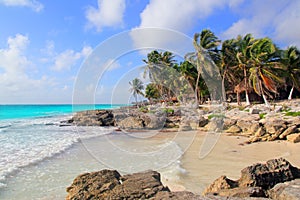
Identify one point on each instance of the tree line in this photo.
(245, 65)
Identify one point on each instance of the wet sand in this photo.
(228, 157)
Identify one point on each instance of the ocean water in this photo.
(39, 157)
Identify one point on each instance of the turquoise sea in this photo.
(39, 157)
(29, 111)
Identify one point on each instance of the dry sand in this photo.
(228, 157)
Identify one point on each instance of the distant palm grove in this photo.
(250, 69)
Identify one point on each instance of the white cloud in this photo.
(68, 58)
(174, 15)
(12, 59)
(276, 19)
(108, 14)
(15, 84)
(287, 27)
(177, 14)
(33, 4)
(111, 65)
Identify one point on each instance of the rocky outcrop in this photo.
(133, 119)
(257, 180)
(257, 122)
(93, 118)
(109, 184)
(261, 123)
(288, 190)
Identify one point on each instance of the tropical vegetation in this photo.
(245, 65)
(136, 88)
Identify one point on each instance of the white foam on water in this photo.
(29, 141)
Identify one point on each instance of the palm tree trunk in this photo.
(247, 99)
(246, 88)
(136, 101)
(223, 87)
(238, 99)
(263, 95)
(291, 93)
(196, 88)
(265, 100)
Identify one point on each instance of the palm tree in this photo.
(264, 66)
(243, 45)
(151, 92)
(160, 66)
(228, 65)
(291, 60)
(210, 42)
(136, 88)
(202, 57)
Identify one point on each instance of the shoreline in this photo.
(228, 157)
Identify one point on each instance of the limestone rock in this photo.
(269, 174)
(228, 122)
(294, 138)
(254, 128)
(288, 131)
(260, 132)
(287, 190)
(131, 123)
(109, 184)
(242, 192)
(276, 134)
(219, 184)
(254, 111)
(255, 180)
(234, 129)
(244, 125)
(93, 118)
(272, 125)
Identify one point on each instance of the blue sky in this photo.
(45, 44)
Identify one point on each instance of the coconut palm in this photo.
(151, 92)
(243, 46)
(291, 60)
(202, 57)
(137, 88)
(159, 65)
(229, 65)
(264, 66)
(210, 42)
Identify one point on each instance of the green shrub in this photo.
(293, 114)
(216, 116)
(143, 109)
(168, 110)
(262, 115)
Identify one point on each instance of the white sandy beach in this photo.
(194, 174)
(228, 158)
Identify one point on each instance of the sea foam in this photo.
(29, 141)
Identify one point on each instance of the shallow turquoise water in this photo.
(29, 111)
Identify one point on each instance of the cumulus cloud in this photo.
(276, 19)
(15, 83)
(108, 14)
(177, 14)
(12, 59)
(287, 27)
(174, 15)
(68, 58)
(112, 64)
(33, 4)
